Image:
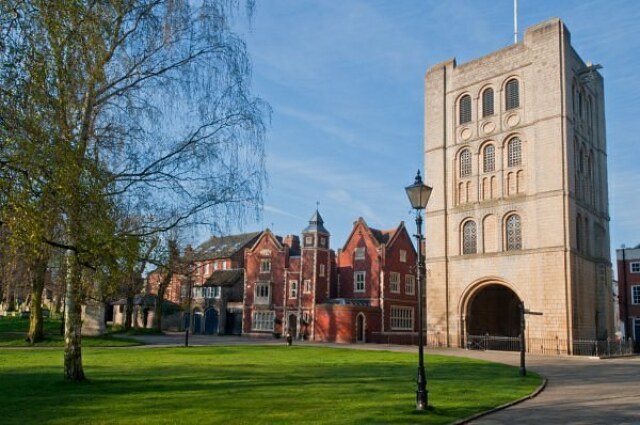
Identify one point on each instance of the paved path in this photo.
(580, 390)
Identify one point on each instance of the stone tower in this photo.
(515, 150)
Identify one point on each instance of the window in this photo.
(465, 163)
(403, 256)
(514, 235)
(469, 237)
(359, 253)
(322, 270)
(263, 320)
(514, 152)
(197, 292)
(211, 292)
(487, 103)
(308, 241)
(410, 284)
(635, 294)
(293, 289)
(216, 265)
(489, 159)
(394, 282)
(465, 109)
(265, 265)
(263, 293)
(358, 279)
(207, 269)
(307, 286)
(224, 265)
(401, 318)
(634, 267)
(323, 242)
(512, 94)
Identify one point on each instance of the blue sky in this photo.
(345, 81)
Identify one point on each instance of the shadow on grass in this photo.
(258, 385)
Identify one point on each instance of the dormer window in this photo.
(359, 253)
(308, 240)
(403, 256)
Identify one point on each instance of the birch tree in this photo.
(136, 105)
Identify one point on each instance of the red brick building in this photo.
(629, 290)
(366, 294)
(216, 281)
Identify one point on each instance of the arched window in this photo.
(513, 232)
(469, 238)
(512, 94)
(489, 159)
(465, 163)
(487, 102)
(514, 152)
(465, 109)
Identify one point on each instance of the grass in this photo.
(248, 385)
(13, 331)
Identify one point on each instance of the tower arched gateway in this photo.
(490, 309)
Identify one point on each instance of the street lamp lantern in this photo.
(418, 194)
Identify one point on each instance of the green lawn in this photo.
(13, 331)
(248, 385)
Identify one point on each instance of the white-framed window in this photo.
(410, 284)
(216, 265)
(263, 320)
(307, 286)
(394, 282)
(359, 281)
(207, 269)
(634, 267)
(359, 253)
(635, 294)
(308, 241)
(403, 256)
(197, 292)
(224, 264)
(293, 289)
(401, 318)
(211, 292)
(322, 270)
(263, 293)
(323, 242)
(265, 265)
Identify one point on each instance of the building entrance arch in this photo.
(492, 309)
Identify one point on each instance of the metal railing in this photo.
(553, 346)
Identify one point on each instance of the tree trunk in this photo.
(38, 275)
(73, 321)
(157, 314)
(128, 313)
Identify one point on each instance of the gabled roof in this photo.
(225, 277)
(316, 224)
(267, 233)
(224, 246)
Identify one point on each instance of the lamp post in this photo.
(419, 194)
(189, 296)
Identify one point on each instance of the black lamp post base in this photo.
(421, 400)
